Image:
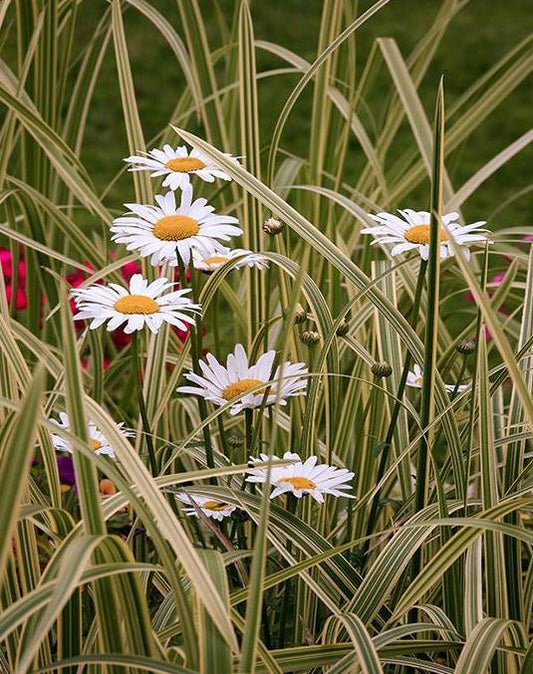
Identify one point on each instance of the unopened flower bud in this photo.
(235, 441)
(381, 369)
(310, 337)
(343, 329)
(466, 346)
(273, 227)
(107, 487)
(300, 314)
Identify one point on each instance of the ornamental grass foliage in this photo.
(271, 415)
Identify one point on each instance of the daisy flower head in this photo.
(221, 384)
(97, 440)
(211, 263)
(177, 165)
(167, 230)
(411, 231)
(415, 379)
(211, 507)
(303, 477)
(143, 303)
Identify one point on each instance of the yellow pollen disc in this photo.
(185, 164)
(217, 506)
(239, 387)
(419, 234)
(419, 380)
(95, 445)
(63, 488)
(216, 259)
(175, 228)
(136, 304)
(299, 482)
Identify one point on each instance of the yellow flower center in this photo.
(419, 380)
(216, 259)
(175, 228)
(63, 488)
(217, 506)
(95, 445)
(299, 482)
(239, 387)
(136, 304)
(185, 164)
(419, 234)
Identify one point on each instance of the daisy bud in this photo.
(273, 227)
(381, 369)
(235, 441)
(466, 346)
(310, 337)
(300, 314)
(343, 329)
(107, 487)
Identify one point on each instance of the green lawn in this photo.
(478, 36)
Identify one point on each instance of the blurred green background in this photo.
(477, 37)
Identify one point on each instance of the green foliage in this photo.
(430, 567)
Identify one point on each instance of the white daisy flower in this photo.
(415, 379)
(213, 262)
(142, 304)
(177, 165)
(165, 231)
(213, 508)
(97, 440)
(412, 231)
(221, 384)
(303, 477)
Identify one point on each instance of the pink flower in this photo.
(129, 269)
(21, 301)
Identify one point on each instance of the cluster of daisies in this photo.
(180, 231)
(184, 232)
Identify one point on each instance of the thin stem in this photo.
(248, 426)
(395, 411)
(195, 335)
(136, 363)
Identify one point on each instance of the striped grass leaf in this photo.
(448, 554)
(305, 79)
(480, 647)
(175, 43)
(132, 121)
(214, 651)
(366, 657)
(252, 215)
(18, 435)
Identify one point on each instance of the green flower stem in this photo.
(216, 337)
(195, 335)
(395, 412)
(248, 426)
(136, 363)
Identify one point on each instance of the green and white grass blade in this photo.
(366, 657)
(215, 654)
(250, 149)
(480, 647)
(72, 565)
(414, 111)
(18, 433)
(295, 93)
(254, 606)
(175, 43)
(132, 121)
